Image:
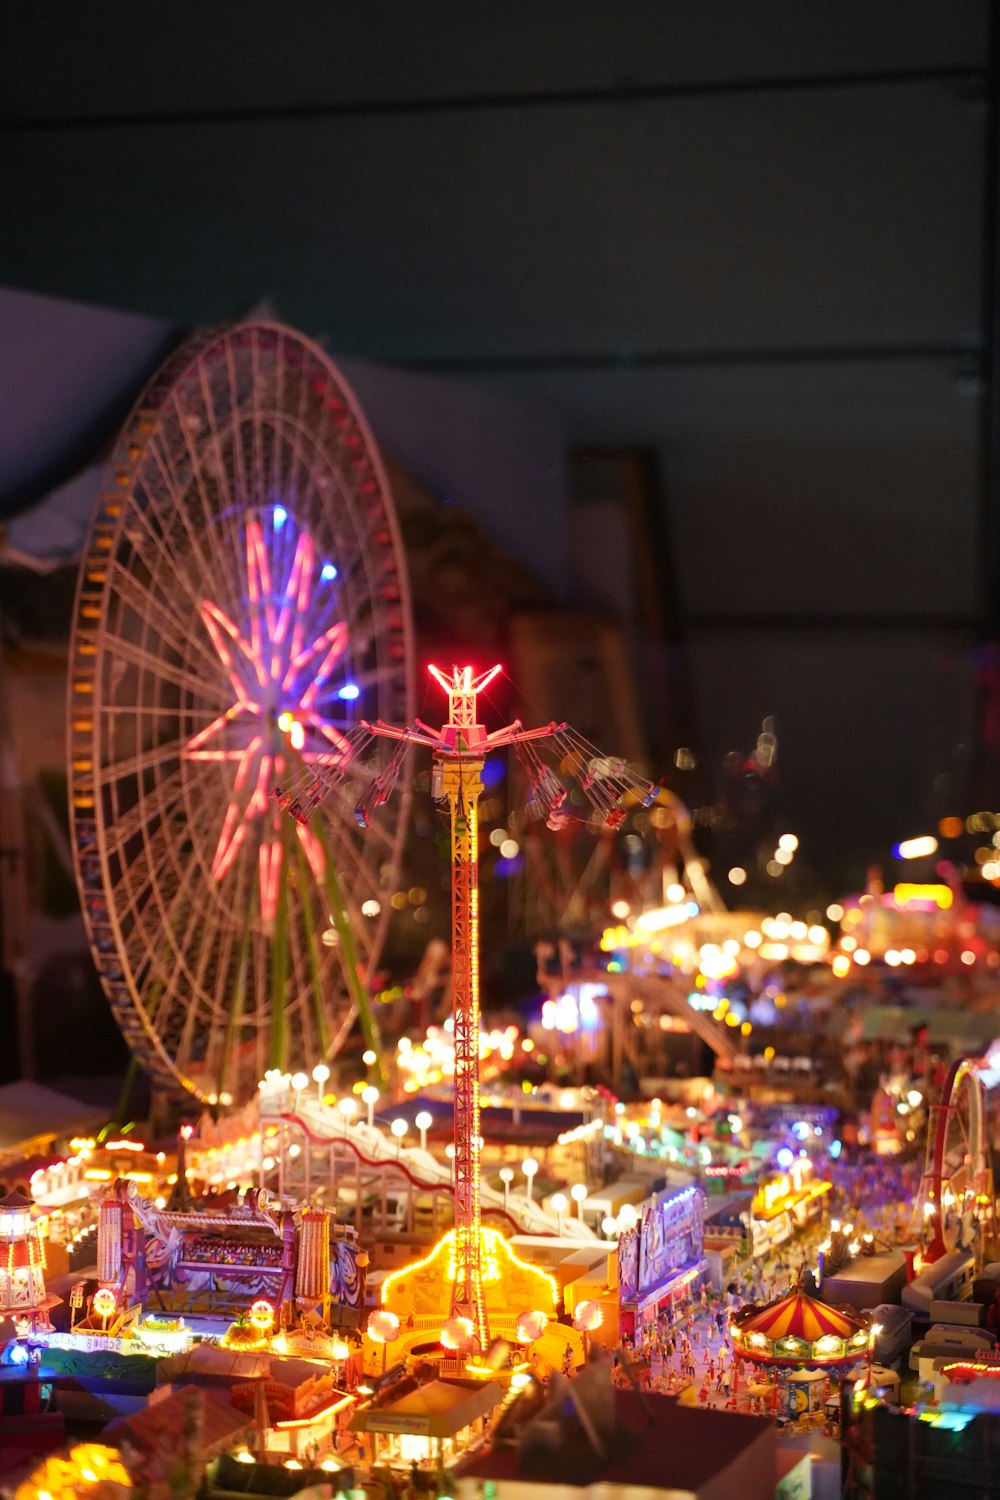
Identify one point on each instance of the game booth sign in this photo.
(662, 1257)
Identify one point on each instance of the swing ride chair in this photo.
(606, 783)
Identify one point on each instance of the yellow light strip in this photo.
(317, 1416)
(491, 1240)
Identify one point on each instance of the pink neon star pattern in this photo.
(277, 672)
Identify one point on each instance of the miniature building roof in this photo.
(869, 1268)
(293, 1372)
(798, 1315)
(164, 1418)
(16, 1202)
(211, 1362)
(657, 1444)
(29, 1110)
(440, 1408)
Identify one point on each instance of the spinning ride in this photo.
(242, 601)
(459, 750)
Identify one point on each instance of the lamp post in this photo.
(369, 1096)
(369, 1058)
(383, 1328)
(559, 1202)
(506, 1177)
(627, 1216)
(587, 1317)
(423, 1122)
(458, 1334)
(529, 1327)
(529, 1167)
(299, 1082)
(578, 1193)
(348, 1108)
(609, 1226)
(320, 1075)
(398, 1128)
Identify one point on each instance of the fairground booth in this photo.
(662, 1258)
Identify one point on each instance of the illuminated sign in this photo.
(909, 894)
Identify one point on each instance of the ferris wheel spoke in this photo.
(173, 631)
(142, 760)
(150, 545)
(120, 830)
(174, 515)
(223, 513)
(185, 421)
(125, 651)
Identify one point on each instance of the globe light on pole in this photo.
(559, 1204)
(369, 1058)
(529, 1327)
(457, 1333)
(299, 1082)
(506, 1177)
(348, 1108)
(383, 1328)
(578, 1193)
(587, 1317)
(609, 1226)
(320, 1075)
(399, 1128)
(369, 1096)
(529, 1167)
(628, 1215)
(423, 1122)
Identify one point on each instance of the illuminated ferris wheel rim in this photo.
(968, 1079)
(349, 501)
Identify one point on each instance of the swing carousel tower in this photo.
(459, 749)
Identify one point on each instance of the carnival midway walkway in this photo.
(691, 1350)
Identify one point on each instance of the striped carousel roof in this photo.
(799, 1315)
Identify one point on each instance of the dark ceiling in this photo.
(751, 235)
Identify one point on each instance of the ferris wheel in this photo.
(242, 602)
(957, 1193)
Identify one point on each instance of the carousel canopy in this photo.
(798, 1316)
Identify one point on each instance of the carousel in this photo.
(794, 1345)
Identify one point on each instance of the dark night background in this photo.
(755, 238)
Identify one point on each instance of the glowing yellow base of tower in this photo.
(510, 1285)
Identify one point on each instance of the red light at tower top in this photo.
(463, 692)
(462, 680)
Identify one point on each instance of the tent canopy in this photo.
(798, 1316)
(439, 1409)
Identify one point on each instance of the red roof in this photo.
(798, 1315)
(164, 1418)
